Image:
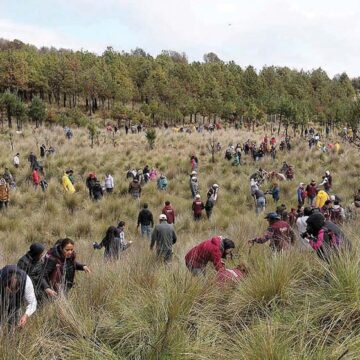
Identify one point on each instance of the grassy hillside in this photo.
(292, 305)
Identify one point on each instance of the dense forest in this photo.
(47, 84)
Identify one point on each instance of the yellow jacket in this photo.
(337, 147)
(67, 184)
(320, 199)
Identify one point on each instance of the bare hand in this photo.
(87, 270)
(51, 292)
(23, 320)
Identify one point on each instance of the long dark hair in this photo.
(61, 243)
(111, 233)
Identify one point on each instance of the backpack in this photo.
(335, 215)
(330, 238)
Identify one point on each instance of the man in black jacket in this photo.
(146, 220)
(33, 266)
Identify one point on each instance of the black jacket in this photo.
(60, 271)
(145, 217)
(35, 270)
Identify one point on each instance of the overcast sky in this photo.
(302, 34)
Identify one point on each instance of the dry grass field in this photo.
(291, 306)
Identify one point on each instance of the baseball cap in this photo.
(162, 217)
(272, 216)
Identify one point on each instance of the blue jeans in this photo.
(146, 230)
(260, 205)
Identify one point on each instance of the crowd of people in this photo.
(314, 224)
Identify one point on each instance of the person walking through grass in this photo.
(260, 201)
(135, 189)
(213, 192)
(90, 182)
(32, 263)
(35, 177)
(109, 183)
(321, 197)
(301, 227)
(275, 192)
(162, 182)
(279, 234)
(301, 194)
(113, 242)
(67, 184)
(163, 238)
(16, 160)
(212, 250)
(145, 221)
(194, 186)
(169, 212)
(4, 194)
(325, 237)
(61, 265)
(311, 192)
(97, 191)
(198, 207)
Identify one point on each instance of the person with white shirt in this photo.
(15, 288)
(109, 183)
(301, 226)
(16, 160)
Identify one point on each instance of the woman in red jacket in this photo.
(36, 177)
(212, 250)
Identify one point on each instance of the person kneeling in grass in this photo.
(15, 287)
(212, 250)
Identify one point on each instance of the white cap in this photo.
(216, 185)
(327, 172)
(194, 173)
(194, 178)
(332, 198)
(197, 196)
(162, 217)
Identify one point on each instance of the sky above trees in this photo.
(299, 34)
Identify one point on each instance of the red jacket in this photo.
(169, 211)
(36, 177)
(311, 190)
(209, 250)
(198, 207)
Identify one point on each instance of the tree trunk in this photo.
(279, 128)
(9, 117)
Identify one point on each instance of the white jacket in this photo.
(109, 182)
(16, 160)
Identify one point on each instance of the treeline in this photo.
(168, 88)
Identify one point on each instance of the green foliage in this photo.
(37, 111)
(169, 88)
(150, 135)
